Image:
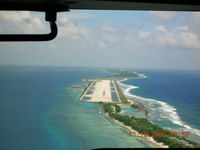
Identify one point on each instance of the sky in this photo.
(130, 39)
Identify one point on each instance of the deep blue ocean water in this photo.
(179, 89)
(38, 110)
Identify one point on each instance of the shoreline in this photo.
(125, 103)
(132, 130)
(194, 132)
(112, 112)
(141, 106)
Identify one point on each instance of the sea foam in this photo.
(165, 111)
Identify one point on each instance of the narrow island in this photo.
(107, 92)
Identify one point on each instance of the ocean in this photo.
(171, 97)
(38, 110)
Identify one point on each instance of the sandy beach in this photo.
(102, 93)
(134, 131)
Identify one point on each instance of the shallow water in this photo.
(39, 111)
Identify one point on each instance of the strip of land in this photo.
(107, 92)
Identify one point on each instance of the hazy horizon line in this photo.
(106, 67)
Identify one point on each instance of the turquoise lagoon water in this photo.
(38, 111)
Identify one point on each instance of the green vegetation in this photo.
(109, 108)
(135, 106)
(119, 74)
(145, 127)
(123, 73)
(117, 108)
(121, 95)
(142, 125)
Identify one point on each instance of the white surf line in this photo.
(169, 111)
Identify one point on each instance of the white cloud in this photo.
(160, 28)
(27, 22)
(78, 15)
(143, 34)
(177, 39)
(189, 40)
(74, 31)
(110, 33)
(156, 38)
(71, 30)
(150, 46)
(22, 21)
(164, 15)
(102, 44)
(109, 28)
(184, 28)
(192, 21)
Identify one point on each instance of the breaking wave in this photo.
(157, 110)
